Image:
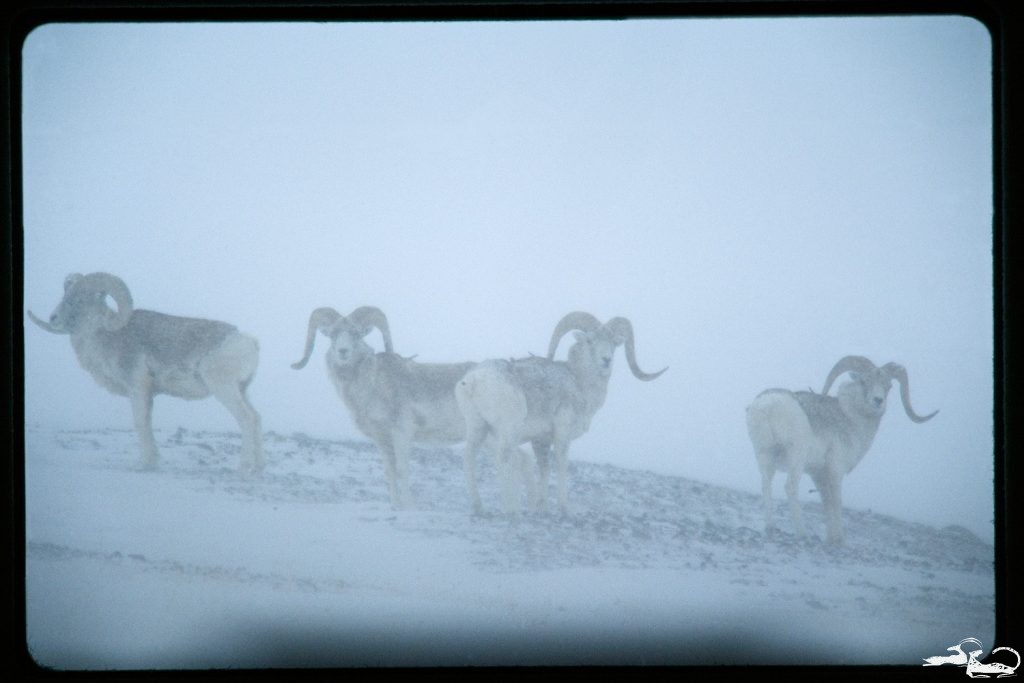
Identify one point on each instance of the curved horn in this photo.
(899, 373)
(320, 319)
(117, 289)
(577, 320)
(71, 280)
(373, 317)
(45, 325)
(622, 328)
(847, 364)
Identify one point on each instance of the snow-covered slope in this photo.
(195, 566)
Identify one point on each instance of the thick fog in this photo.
(760, 197)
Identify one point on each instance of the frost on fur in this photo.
(394, 401)
(825, 436)
(141, 354)
(542, 401)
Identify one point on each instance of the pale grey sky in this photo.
(759, 196)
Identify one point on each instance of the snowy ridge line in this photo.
(52, 551)
(141, 354)
(621, 517)
(315, 542)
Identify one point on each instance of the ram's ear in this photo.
(856, 376)
(579, 335)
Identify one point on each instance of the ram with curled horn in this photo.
(394, 401)
(545, 402)
(824, 436)
(141, 354)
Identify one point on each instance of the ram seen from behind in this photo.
(824, 436)
(141, 354)
(545, 402)
(394, 401)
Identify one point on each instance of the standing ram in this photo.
(141, 354)
(546, 402)
(394, 401)
(824, 436)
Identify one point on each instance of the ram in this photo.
(141, 354)
(824, 436)
(545, 402)
(394, 401)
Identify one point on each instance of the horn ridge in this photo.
(117, 289)
(847, 364)
(577, 320)
(320, 319)
(621, 327)
(374, 317)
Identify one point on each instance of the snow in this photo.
(197, 566)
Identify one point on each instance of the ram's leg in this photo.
(402, 445)
(516, 474)
(793, 476)
(542, 451)
(560, 452)
(259, 459)
(142, 411)
(508, 473)
(474, 437)
(767, 474)
(387, 457)
(228, 372)
(523, 460)
(830, 485)
(232, 396)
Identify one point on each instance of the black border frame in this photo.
(20, 18)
